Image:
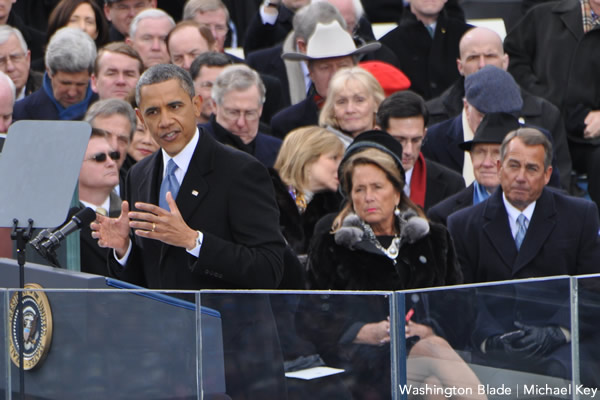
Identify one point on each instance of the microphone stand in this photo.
(21, 236)
(47, 253)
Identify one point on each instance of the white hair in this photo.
(154, 13)
(6, 31)
(70, 50)
(11, 85)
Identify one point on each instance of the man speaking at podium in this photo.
(203, 217)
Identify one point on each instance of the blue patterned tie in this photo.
(523, 224)
(169, 184)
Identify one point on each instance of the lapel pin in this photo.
(194, 193)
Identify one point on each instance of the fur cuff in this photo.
(350, 233)
(412, 226)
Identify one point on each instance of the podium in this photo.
(114, 343)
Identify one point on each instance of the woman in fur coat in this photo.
(379, 241)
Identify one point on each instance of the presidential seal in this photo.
(37, 327)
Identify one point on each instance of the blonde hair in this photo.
(339, 81)
(383, 161)
(302, 147)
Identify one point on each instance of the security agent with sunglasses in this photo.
(98, 176)
(238, 95)
(203, 216)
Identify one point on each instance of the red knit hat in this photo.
(389, 77)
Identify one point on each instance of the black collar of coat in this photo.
(225, 137)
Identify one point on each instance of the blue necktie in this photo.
(169, 184)
(523, 224)
(430, 30)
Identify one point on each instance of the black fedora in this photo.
(492, 129)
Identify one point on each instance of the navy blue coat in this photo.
(38, 106)
(268, 61)
(441, 211)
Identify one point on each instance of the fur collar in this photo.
(411, 227)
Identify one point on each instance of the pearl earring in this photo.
(397, 211)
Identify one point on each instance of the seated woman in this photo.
(352, 101)
(83, 14)
(380, 241)
(305, 178)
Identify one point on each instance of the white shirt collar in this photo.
(513, 214)
(21, 94)
(183, 158)
(306, 72)
(105, 204)
(408, 177)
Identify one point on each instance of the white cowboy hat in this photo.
(330, 40)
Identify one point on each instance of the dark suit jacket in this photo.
(302, 114)
(562, 239)
(441, 183)
(227, 195)
(264, 147)
(429, 63)
(440, 212)
(221, 184)
(34, 82)
(441, 144)
(583, 91)
(541, 48)
(94, 258)
(261, 36)
(268, 61)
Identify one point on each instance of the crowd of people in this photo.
(323, 159)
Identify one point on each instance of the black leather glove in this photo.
(502, 345)
(538, 341)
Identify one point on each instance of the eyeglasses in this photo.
(249, 115)
(101, 157)
(206, 85)
(14, 59)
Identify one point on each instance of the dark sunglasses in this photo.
(101, 157)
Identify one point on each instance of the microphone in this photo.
(83, 217)
(47, 240)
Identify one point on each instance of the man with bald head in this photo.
(480, 47)
(7, 101)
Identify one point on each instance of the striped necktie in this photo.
(522, 224)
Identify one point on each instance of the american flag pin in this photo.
(194, 192)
